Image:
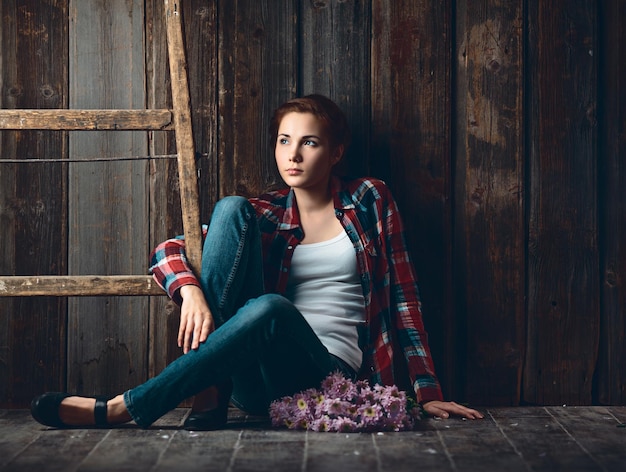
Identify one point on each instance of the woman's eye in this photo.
(283, 141)
(308, 142)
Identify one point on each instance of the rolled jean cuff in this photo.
(135, 415)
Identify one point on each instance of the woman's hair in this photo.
(324, 109)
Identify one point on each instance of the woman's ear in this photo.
(338, 154)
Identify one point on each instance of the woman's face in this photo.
(304, 154)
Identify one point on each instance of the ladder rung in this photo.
(78, 285)
(86, 120)
(178, 118)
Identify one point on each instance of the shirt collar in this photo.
(291, 217)
(342, 200)
(341, 195)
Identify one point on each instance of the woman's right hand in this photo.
(196, 320)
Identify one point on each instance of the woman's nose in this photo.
(295, 156)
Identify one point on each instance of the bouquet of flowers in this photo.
(342, 405)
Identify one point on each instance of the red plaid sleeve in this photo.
(170, 268)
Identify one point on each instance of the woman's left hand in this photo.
(445, 409)
(196, 320)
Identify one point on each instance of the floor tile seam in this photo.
(18, 453)
(446, 451)
(508, 439)
(93, 449)
(305, 452)
(571, 436)
(236, 448)
(163, 451)
(379, 464)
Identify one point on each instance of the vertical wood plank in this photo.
(165, 213)
(185, 146)
(200, 30)
(334, 61)
(611, 375)
(8, 184)
(411, 136)
(257, 58)
(107, 350)
(563, 274)
(33, 199)
(200, 19)
(489, 248)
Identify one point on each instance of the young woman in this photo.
(294, 285)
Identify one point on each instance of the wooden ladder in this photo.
(177, 119)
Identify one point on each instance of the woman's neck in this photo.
(317, 216)
(312, 201)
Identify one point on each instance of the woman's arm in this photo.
(172, 272)
(405, 306)
(410, 326)
(170, 268)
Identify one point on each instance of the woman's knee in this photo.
(270, 305)
(233, 205)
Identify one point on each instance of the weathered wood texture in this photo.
(33, 198)
(499, 128)
(85, 119)
(200, 39)
(489, 203)
(512, 439)
(80, 285)
(563, 314)
(611, 374)
(188, 178)
(336, 62)
(256, 70)
(164, 198)
(108, 201)
(410, 64)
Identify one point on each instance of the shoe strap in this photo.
(100, 411)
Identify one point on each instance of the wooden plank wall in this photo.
(33, 198)
(563, 253)
(611, 369)
(108, 202)
(499, 127)
(489, 197)
(420, 51)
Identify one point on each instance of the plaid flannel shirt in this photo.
(393, 340)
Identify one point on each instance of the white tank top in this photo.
(324, 285)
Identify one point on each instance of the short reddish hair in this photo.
(324, 109)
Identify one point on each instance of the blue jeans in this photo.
(261, 341)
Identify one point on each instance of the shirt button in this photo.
(290, 247)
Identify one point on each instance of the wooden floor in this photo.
(508, 439)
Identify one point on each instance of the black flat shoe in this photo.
(216, 418)
(45, 410)
(210, 420)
